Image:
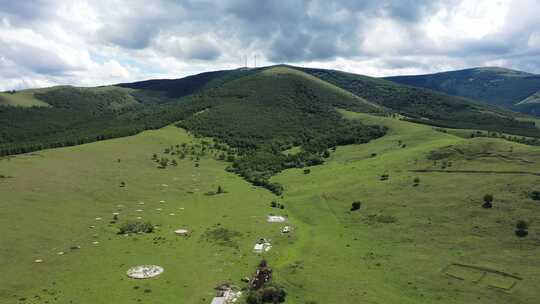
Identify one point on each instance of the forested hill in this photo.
(497, 86)
(281, 104)
(428, 106)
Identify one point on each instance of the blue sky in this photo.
(50, 42)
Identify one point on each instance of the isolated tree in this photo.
(174, 163)
(307, 171)
(488, 198)
(535, 195)
(122, 184)
(326, 154)
(163, 163)
(416, 181)
(220, 190)
(356, 205)
(522, 228)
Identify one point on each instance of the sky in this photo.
(97, 42)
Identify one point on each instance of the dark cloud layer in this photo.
(376, 35)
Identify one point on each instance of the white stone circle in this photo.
(144, 271)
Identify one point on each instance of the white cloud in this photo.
(47, 42)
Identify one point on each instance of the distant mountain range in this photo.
(515, 90)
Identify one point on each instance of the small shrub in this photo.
(356, 205)
(163, 162)
(488, 198)
(326, 154)
(275, 188)
(307, 171)
(136, 227)
(522, 233)
(522, 229)
(535, 195)
(220, 190)
(122, 184)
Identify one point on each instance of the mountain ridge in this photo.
(491, 85)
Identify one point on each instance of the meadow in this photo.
(406, 243)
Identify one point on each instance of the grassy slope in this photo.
(438, 223)
(287, 71)
(56, 195)
(332, 256)
(21, 99)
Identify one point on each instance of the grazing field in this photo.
(21, 99)
(399, 247)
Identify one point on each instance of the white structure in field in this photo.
(262, 246)
(182, 232)
(144, 271)
(227, 294)
(276, 219)
(286, 229)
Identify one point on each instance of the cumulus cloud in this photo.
(84, 42)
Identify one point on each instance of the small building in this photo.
(219, 300)
(226, 294)
(262, 246)
(258, 248)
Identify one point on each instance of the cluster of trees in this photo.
(519, 139)
(136, 227)
(275, 204)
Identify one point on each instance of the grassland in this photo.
(21, 99)
(395, 249)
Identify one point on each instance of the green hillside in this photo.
(265, 113)
(496, 86)
(81, 115)
(427, 243)
(426, 106)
